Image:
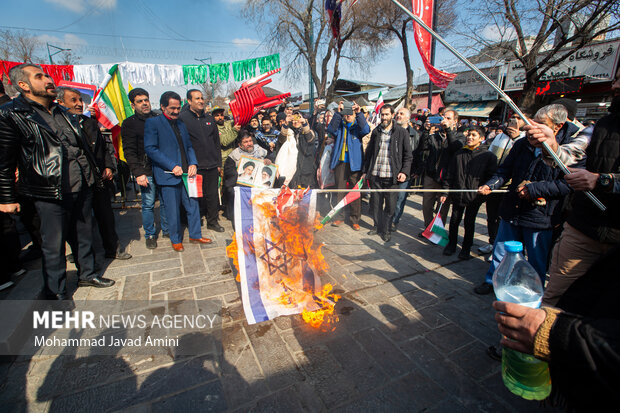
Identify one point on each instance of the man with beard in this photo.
(59, 178)
(305, 172)
(206, 143)
(588, 232)
(403, 118)
(102, 207)
(267, 138)
(132, 132)
(246, 148)
(227, 131)
(387, 162)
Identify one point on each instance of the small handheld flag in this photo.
(436, 232)
(348, 198)
(193, 185)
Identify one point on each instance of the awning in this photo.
(474, 109)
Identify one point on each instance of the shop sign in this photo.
(596, 63)
(469, 86)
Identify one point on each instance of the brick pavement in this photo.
(412, 336)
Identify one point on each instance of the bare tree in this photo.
(19, 46)
(537, 33)
(390, 19)
(299, 30)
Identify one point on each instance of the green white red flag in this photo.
(193, 185)
(436, 232)
(348, 198)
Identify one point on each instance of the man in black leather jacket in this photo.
(56, 168)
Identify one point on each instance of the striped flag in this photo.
(379, 103)
(265, 257)
(113, 107)
(193, 185)
(436, 232)
(348, 198)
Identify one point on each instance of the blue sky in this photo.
(211, 29)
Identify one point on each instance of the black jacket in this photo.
(305, 174)
(132, 132)
(434, 153)
(97, 144)
(469, 169)
(603, 156)
(524, 164)
(205, 138)
(29, 144)
(400, 151)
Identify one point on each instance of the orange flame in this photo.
(294, 253)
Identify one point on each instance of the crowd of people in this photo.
(57, 170)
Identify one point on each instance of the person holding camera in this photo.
(439, 142)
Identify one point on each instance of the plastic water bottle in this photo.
(516, 281)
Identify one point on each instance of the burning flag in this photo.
(276, 257)
(436, 232)
(348, 198)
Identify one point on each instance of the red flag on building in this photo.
(423, 39)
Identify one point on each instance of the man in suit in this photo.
(168, 145)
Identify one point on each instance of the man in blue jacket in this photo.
(348, 126)
(533, 204)
(168, 145)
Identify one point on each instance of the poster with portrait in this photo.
(253, 172)
(87, 92)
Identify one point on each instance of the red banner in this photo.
(57, 72)
(423, 39)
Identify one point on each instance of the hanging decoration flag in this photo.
(244, 69)
(113, 108)
(436, 232)
(195, 74)
(268, 63)
(334, 10)
(348, 198)
(193, 185)
(219, 71)
(423, 39)
(57, 72)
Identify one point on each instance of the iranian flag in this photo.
(113, 107)
(436, 232)
(348, 198)
(379, 103)
(193, 185)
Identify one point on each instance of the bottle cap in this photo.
(513, 246)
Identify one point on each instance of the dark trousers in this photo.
(383, 203)
(342, 175)
(102, 208)
(175, 196)
(471, 211)
(67, 220)
(430, 198)
(209, 203)
(9, 247)
(493, 202)
(30, 220)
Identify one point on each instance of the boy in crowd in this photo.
(471, 165)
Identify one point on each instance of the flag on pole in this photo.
(436, 232)
(113, 107)
(424, 40)
(379, 103)
(193, 185)
(334, 10)
(348, 198)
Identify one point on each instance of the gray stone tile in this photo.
(449, 338)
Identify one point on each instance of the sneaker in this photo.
(6, 285)
(486, 249)
(449, 250)
(336, 223)
(356, 227)
(484, 289)
(386, 237)
(151, 243)
(394, 227)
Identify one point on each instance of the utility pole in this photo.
(58, 50)
(212, 87)
(430, 83)
(311, 100)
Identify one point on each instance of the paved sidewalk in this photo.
(412, 336)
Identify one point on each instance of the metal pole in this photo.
(311, 98)
(433, 46)
(503, 94)
(447, 191)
